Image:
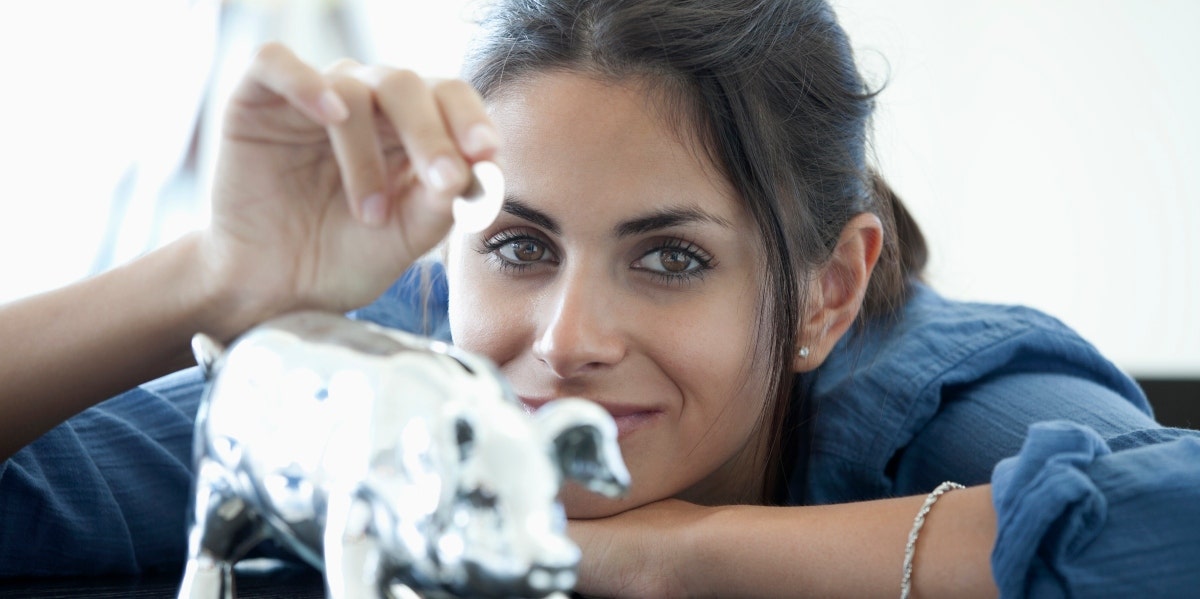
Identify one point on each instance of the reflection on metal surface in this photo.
(395, 463)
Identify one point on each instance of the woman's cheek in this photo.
(480, 321)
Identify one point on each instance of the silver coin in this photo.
(480, 204)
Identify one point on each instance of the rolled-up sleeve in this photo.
(1076, 519)
(981, 423)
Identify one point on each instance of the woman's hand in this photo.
(329, 185)
(644, 552)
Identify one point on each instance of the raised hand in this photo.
(329, 185)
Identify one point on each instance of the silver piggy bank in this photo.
(396, 464)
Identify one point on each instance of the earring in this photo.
(803, 353)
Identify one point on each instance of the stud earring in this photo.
(803, 353)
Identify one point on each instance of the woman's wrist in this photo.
(766, 551)
(705, 549)
(179, 296)
(854, 549)
(223, 298)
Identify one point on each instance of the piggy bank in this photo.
(396, 464)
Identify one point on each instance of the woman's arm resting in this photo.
(1065, 517)
(673, 548)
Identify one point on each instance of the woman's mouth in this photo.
(627, 417)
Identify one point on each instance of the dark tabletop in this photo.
(284, 582)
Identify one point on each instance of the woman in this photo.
(693, 238)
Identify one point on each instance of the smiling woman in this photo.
(624, 270)
(694, 239)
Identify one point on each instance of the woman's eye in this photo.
(522, 250)
(675, 261)
(672, 261)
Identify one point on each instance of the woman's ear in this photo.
(836, 294)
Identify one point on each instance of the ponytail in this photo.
(902, 259)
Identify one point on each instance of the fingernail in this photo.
(374, 209)
(332, 106)
(444, 174)
(481, 138)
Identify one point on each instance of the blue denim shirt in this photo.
(1092, 496)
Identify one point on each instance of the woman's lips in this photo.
(628, 418)
(629, 423)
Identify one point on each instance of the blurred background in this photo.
(1050, 149)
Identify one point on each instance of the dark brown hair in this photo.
(771, 90)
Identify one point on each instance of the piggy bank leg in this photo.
(206, 578)
(223, 529)
(353, 568)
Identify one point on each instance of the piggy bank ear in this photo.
(206, 351)
(583, 445)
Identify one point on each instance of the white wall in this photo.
(95, 114)
(1049, 149)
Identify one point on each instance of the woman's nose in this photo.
(580, 330)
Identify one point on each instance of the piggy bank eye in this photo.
(464, 436)
(481, 499)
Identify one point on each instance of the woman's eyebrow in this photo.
(668, 217)
(661, 219)
(524, 211)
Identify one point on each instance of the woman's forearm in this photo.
(847, 550)
(70, 348)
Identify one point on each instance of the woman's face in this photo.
(623, 270)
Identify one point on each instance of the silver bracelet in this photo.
(918, 522)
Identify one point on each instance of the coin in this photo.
(480, 204)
